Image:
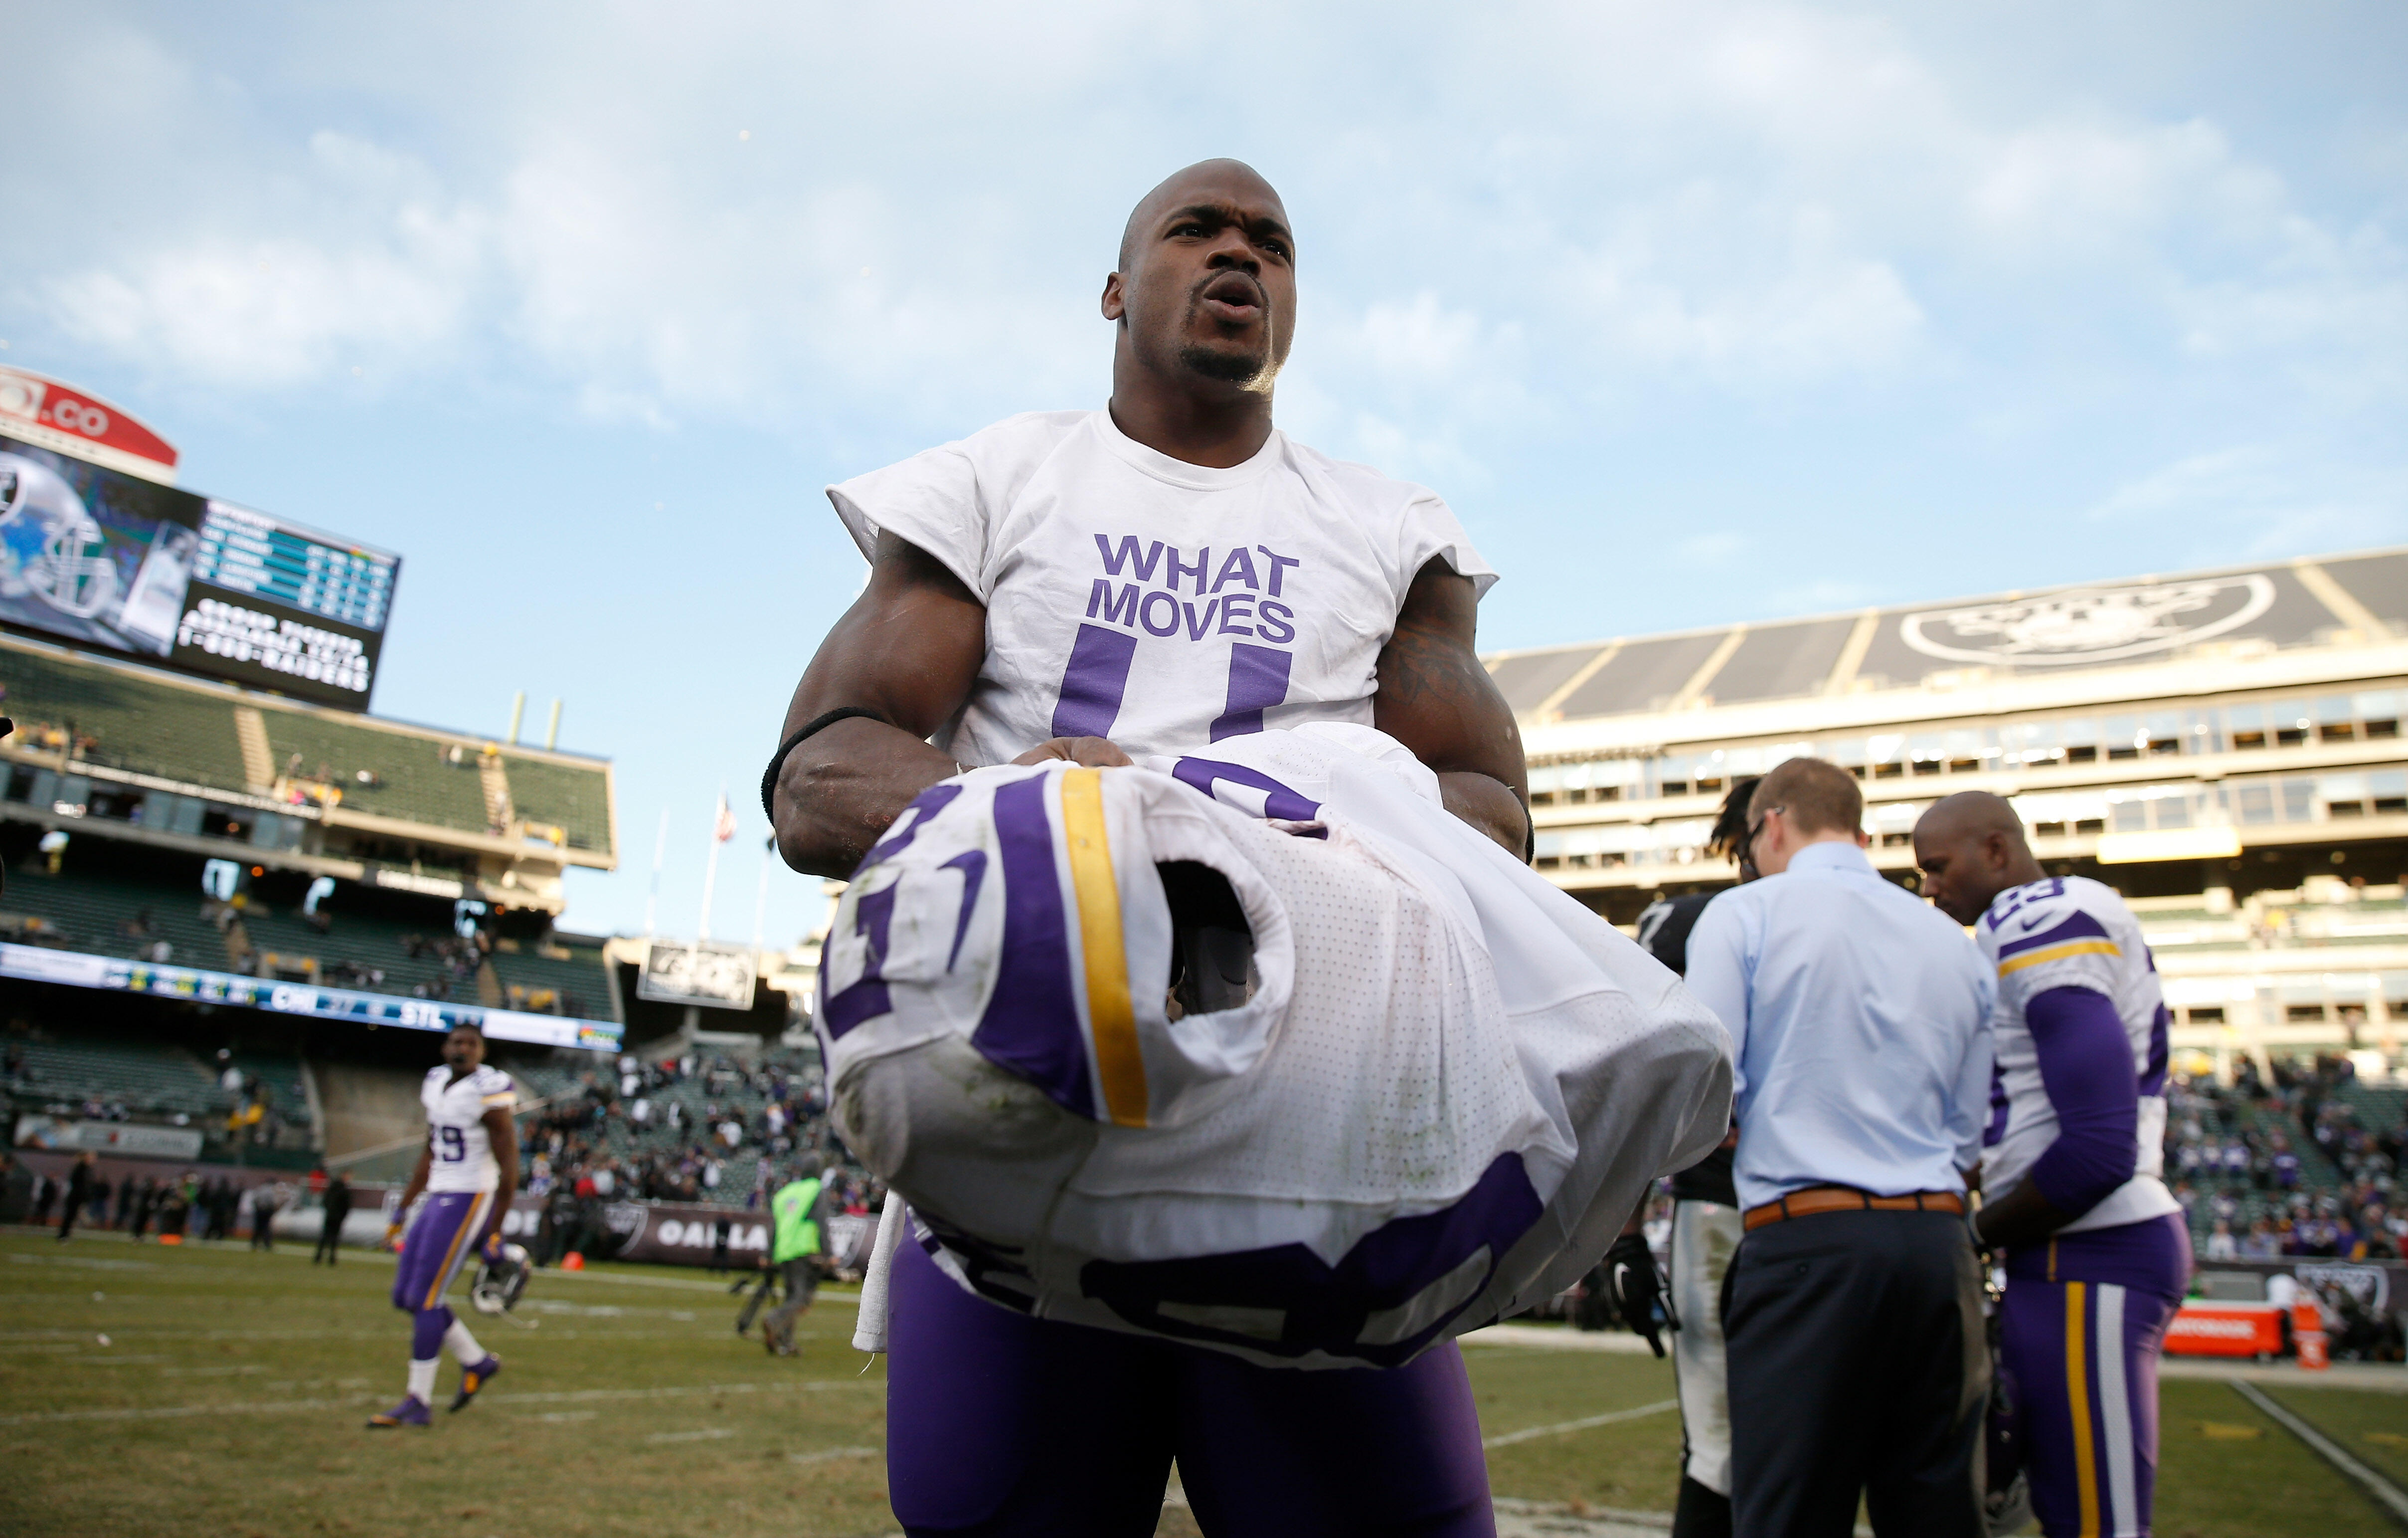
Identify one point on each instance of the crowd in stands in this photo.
(2306, 1164)
(691, 1128)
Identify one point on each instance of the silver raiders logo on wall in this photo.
(2089, 623)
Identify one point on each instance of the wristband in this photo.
(816, 724)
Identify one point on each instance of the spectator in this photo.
(263, 1216)
(79, 1193)
(337, 1200)
(2220, 1245)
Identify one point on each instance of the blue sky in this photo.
(1695, 311)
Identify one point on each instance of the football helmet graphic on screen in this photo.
(56, 547)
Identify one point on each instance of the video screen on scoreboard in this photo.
(97, 558)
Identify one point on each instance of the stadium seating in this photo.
(103, 915)
(144, 725)
(416, 779)
(575, 799)
(146, 1078)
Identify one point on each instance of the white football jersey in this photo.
(2072, 932)
(462, 1153)
(1439, 1090)
(1161, 604)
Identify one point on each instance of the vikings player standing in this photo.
(1149, 578)
(2097, 1253)
(467, 1171)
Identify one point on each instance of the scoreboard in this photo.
(102, 558)
(251, 553)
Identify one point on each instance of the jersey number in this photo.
(455, 1144)
(1095, 680)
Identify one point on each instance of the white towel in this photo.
(869, 1329)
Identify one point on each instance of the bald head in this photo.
(1970, 847)
(1205, 180)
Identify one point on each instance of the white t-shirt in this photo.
(1161, 604)
(456, 1126)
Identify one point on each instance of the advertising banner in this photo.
(718, 976)
(53, 415)
(76, 969)
(114, 561)
(106, 1137)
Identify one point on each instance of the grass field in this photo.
(229, 1397)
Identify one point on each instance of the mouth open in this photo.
(1232, 296)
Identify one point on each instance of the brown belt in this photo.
(1839, 1199)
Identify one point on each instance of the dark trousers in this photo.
(330, 1236)
(1859, 1362)
(753, 1304)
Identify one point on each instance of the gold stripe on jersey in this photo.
(2058, 952)
(1120, 1063)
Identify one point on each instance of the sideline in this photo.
(2385, 1493)
(570, 1396)
(2371, 1377)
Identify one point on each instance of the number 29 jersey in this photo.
(2072, 932)
(462, 1153)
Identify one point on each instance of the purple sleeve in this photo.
(2086, 1066)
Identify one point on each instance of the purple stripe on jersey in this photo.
(2000, 1106)
(1258, 681)
(1094, 683)
(1031, 1025)
(2077, 926)
(2153, 1077)
(972, 865)
(865, 998)
(2085, 1067)
(923, 811)
(1325, 1307)
(1278, 799)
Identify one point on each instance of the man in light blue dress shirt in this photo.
(1852, 1309)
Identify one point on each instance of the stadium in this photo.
(238, 918)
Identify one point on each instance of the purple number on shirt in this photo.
(455, 1145)
(1095, 680)
(1258, 681)
(1094, 683)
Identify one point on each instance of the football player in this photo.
(468, 1172)
(2097, 1253)
(1149, 578)
(1706, 1232)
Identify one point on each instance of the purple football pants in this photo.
(2086, 1316)
(1000, 1425)
(447, 1233)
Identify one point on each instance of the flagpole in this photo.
(660, 852)
(710, 872)
(761, 898)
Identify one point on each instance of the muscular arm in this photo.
(2085, 1064)
(908, 649)
(1435, 698)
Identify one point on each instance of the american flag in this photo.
(724, 828)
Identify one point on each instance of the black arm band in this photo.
(816, 724)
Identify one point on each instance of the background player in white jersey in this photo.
(2097, 1253)
(467, 1171)
(1149, 578)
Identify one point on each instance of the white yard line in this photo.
(1550, 1338)
(1560, 1428)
